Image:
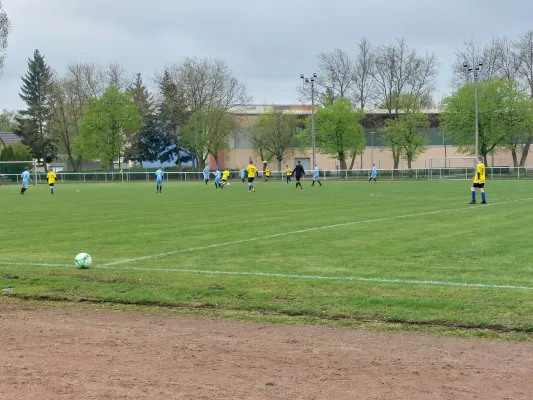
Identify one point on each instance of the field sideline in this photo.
(407, 252)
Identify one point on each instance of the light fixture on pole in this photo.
(475, 69)
(372, 161)
(311, 81)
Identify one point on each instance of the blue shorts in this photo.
(250, 180)
(25, 183)
(315, 177)
(159, 181)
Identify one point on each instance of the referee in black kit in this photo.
(298, 172)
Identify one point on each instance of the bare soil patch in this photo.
(50, 353)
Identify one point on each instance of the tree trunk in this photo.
(279, 164)
(353, 161)
(409, 161)
(342, 161)
(215, 156)
(396, 159)
(525, 151)
(515, 157)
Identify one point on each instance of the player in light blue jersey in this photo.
(373, 173)
(159, 179)
(316, 176)
(206, 175)
(218, 177)
(244, 172)
(25, 180)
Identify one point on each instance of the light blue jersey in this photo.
(316, 174)
(374, 172)
(159, 176)
(206, 173)
(243, 173)
(25, 178)
(217, 176)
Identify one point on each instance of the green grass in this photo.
(116, 222)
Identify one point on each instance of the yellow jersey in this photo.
(288, 172)
(267, 172)
(479, 177)
(51, 177)
(252, 171)
(225, 175)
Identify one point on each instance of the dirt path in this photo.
(83, 354)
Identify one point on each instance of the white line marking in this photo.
(296, 276)
(36, 264)
(327, 278)
(306, 230)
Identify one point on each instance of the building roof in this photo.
(9, 138)
(301, 110)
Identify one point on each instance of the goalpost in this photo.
(10, 171)
(452, 167)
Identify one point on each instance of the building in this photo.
(240, 146)
(7, 138)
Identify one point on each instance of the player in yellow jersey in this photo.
(267, 174)
(252, 172)
(288, 172)
(225, 176)
(479, 182)
(51, 179)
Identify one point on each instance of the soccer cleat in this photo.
(254, 190)
(472, 202)
(483, 202)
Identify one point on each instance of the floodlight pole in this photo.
(475, 70)
(311, 81)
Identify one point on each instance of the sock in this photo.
(160, 188)
(21, 190)
(473, 195)
(319, 183)
(313, 184)
(483, 196)
(51, 190)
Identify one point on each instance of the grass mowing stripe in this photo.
(305, 231)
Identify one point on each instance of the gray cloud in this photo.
(267, 43)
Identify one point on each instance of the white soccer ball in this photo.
(83, 260)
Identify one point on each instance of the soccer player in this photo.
(252, 172)
(373, 174)
(225, 176)
(267, 174)
(316, 176)
(288, 172)
(299, 172)
(206, 175)
(479, 182)
(159, 179)
(25, 180)
(243, 174)
(51, 179)
(217, 179)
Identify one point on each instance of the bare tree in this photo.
(498, 58)
(209, 91)
(402, 72)
(5, 28)
(336, 74)
(524, 51)
(66, 112)
(363, 74)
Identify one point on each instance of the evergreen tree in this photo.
(141, 96)
(172, 113)
(32, 124)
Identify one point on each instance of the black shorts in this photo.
(51, 184)
(478, 185)
(250, 180)
(298, 177)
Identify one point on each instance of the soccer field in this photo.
(410, 252)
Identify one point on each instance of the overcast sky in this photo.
(267, 43)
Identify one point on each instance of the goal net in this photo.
(10, 171)
(452, 168)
